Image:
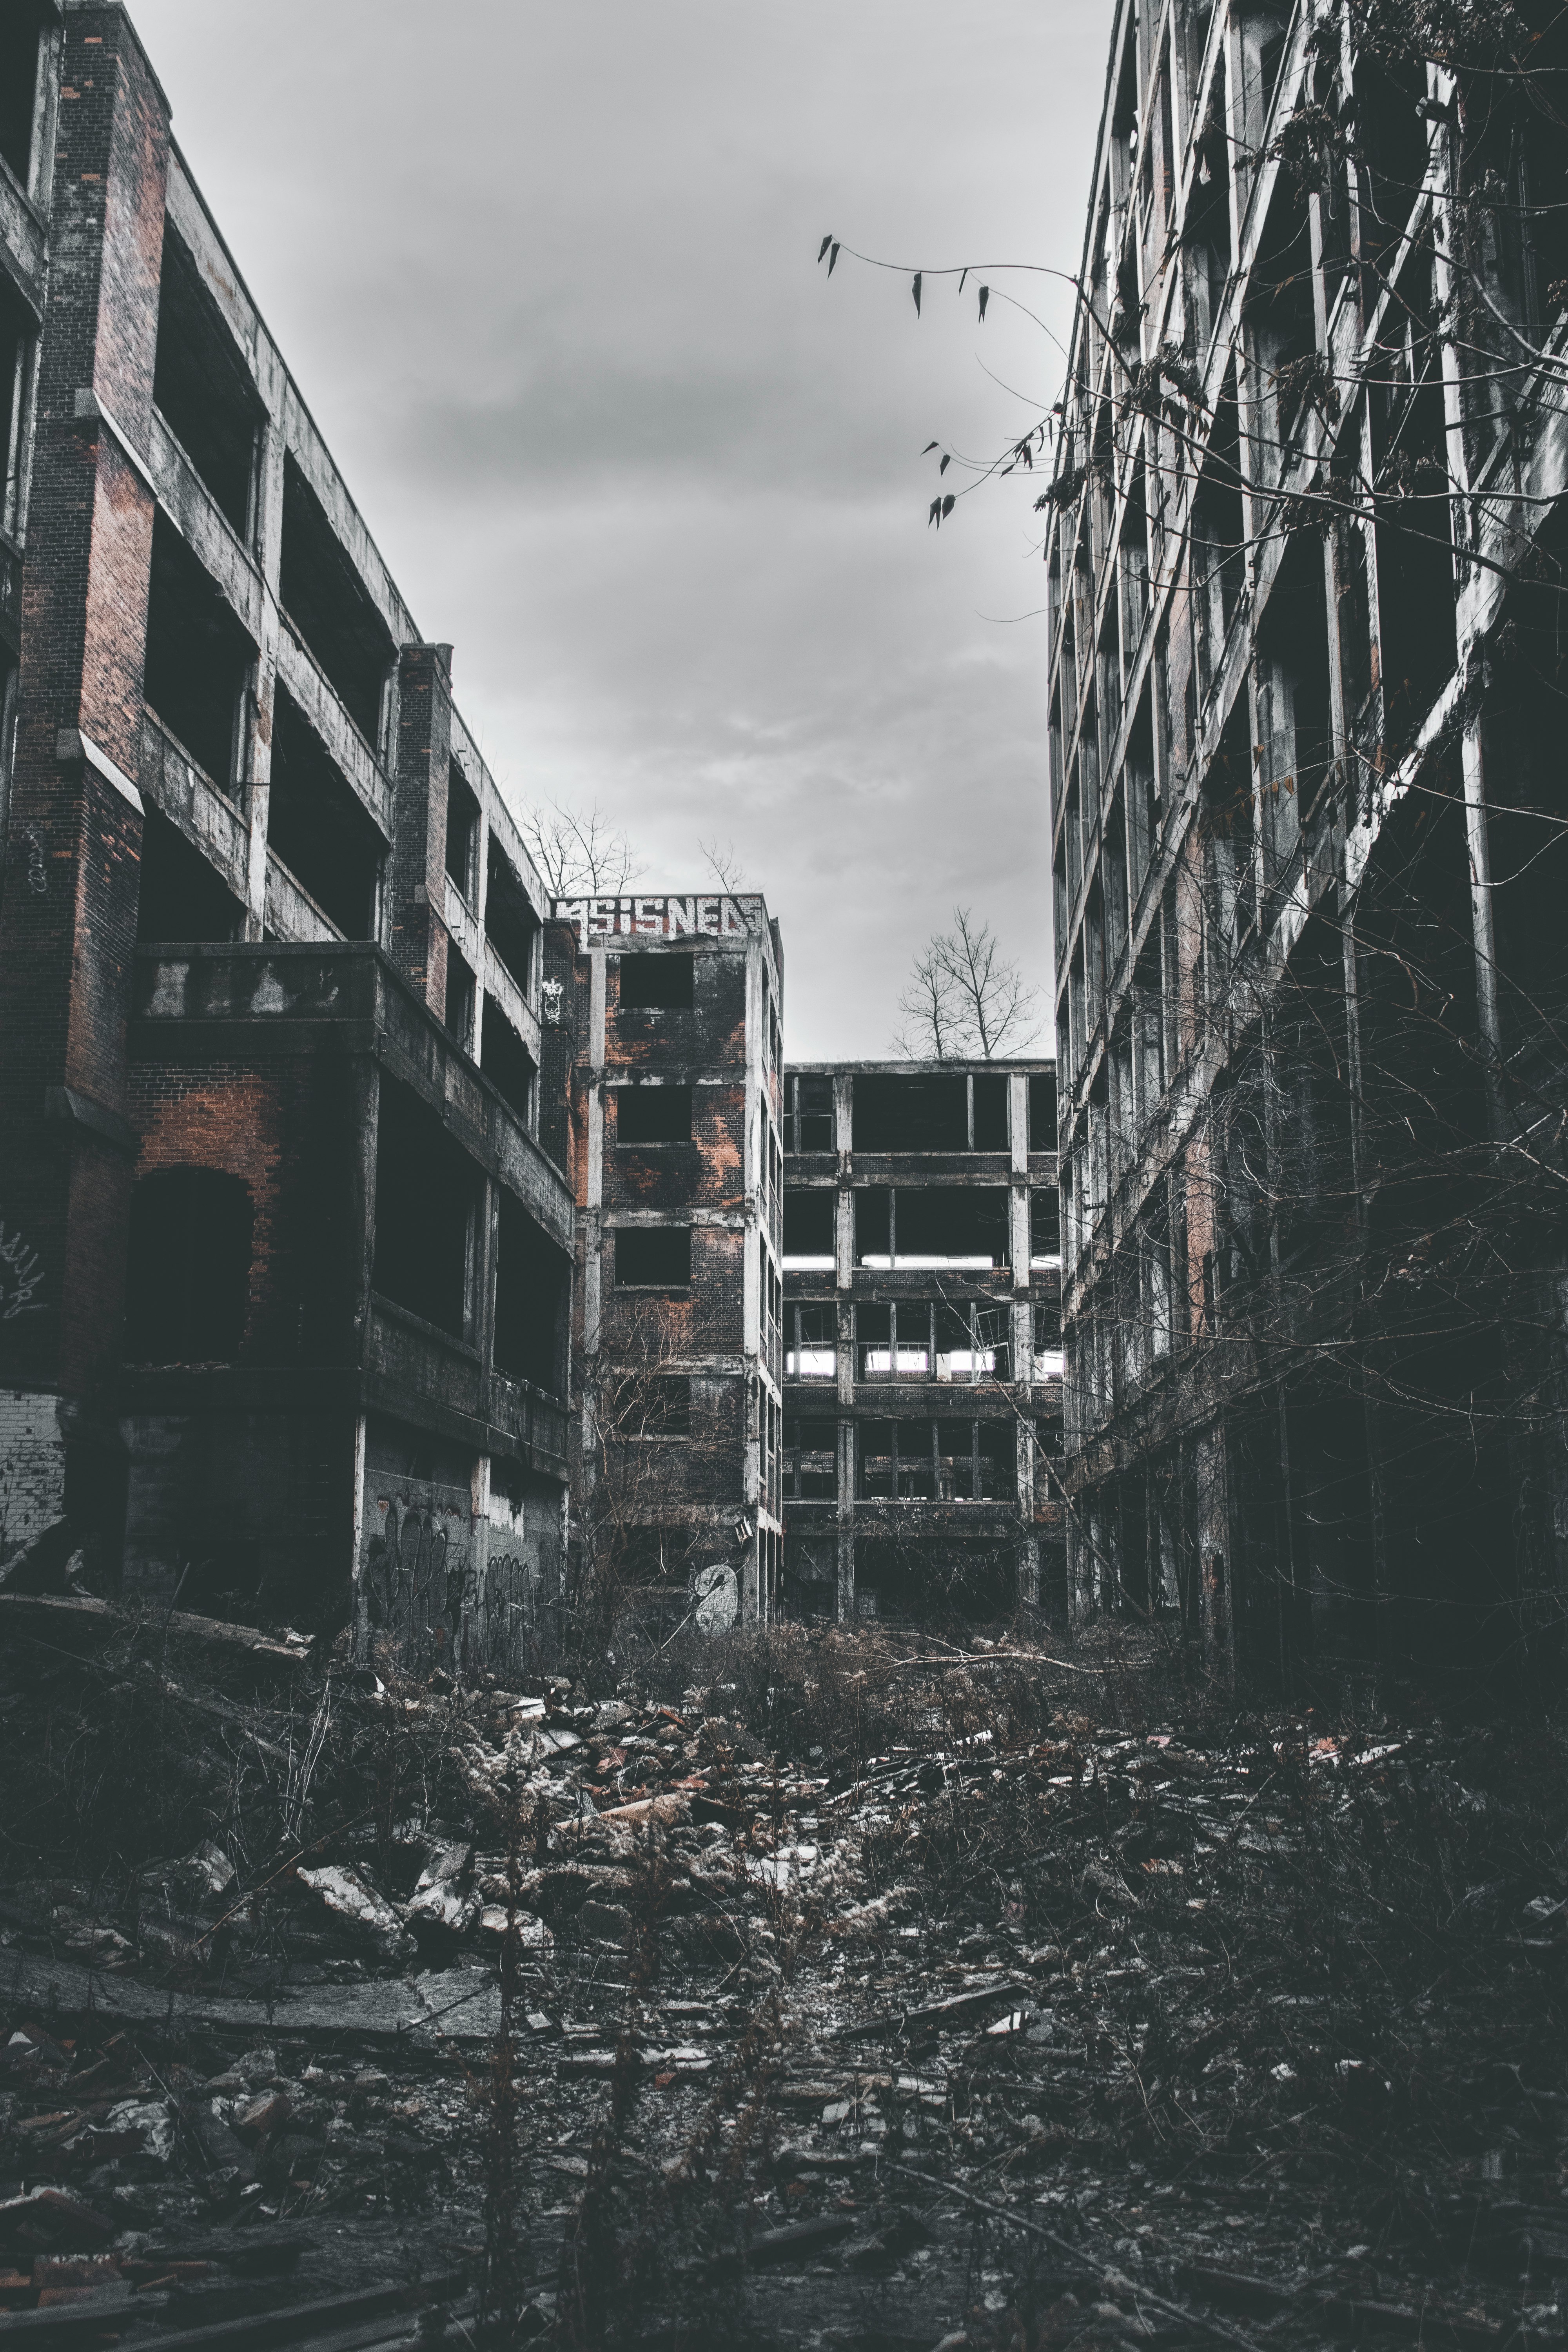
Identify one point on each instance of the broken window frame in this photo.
(812, 1356)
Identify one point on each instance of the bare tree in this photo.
(723, 863)
(653, 1461)
(580, 856)
(966, 1000)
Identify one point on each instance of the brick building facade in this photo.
(665, 1068)
(922, 1390)
(356, 1204)
(283, 1264)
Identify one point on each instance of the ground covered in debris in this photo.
(843, 1990)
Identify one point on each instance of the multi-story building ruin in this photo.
(923, 1362)
(663, 1067)
(1306, 543)
(283, 1264)
(354, 1200)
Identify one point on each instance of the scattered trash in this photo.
(857, 1970)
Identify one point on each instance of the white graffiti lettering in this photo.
(606, 919)
(21, 1276)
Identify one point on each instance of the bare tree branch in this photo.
(580, 854)
(965, 1001)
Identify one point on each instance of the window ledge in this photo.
(389, 1307)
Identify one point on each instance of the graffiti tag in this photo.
(21, 1276)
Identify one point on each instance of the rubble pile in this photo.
(851, 1994)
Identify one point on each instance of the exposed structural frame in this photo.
(283, 1260)
(922, 1337)
(1304, 548)
(668, 1051)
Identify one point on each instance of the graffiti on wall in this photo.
(417, 1580)
(717, 917)
(21, 1276)
(439, 1588)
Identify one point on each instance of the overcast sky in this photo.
(546, 277)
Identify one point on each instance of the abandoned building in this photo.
(663, 1067)
(923, 1390)
(1306, 544)
(283, 1264)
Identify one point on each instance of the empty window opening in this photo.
(897, 1461)
(653, 1114)
(655, 1555)
(1416, 607)
(808, 1124)
(873, 1342)
(915, 1114)
(963, 1227)
(1263, 35)
(462, 996)
(989, 1474)
(808, 1232)
(507, 1062)
(1282, 330)
(318, 827)
(1295, 719)
(1047, 1339)
(462, 833)
(653, 1257)
(531, 1299)
(202, 389)
(1045, 1226)
(811, 1459)
(1391, 137)
(331, 608)
(1218, 539)
(15, 353)
(424, 1194)
(812, 1342)
(659, 1407)
(1043, 1111)
(936, 1461)
(989, 1096)
(21, 22)
(970, 1340)
(181, 897)
(188, 1269)
(511, 926)
(198, 657)
(658, 982)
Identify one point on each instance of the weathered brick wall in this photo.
(288, 1130)
(32, 1466)
(69, 915)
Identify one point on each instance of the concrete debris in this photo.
(861, 1976)
(347, 1896)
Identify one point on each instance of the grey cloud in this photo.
(546, 277)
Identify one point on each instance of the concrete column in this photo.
(1483, 931)
(846, 1527)
(1211, 1492)
(477, 901)
(258, 755)
(415, 930)
(1028, 1541)
(360, 1623)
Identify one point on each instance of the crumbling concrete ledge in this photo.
(417, 2013)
